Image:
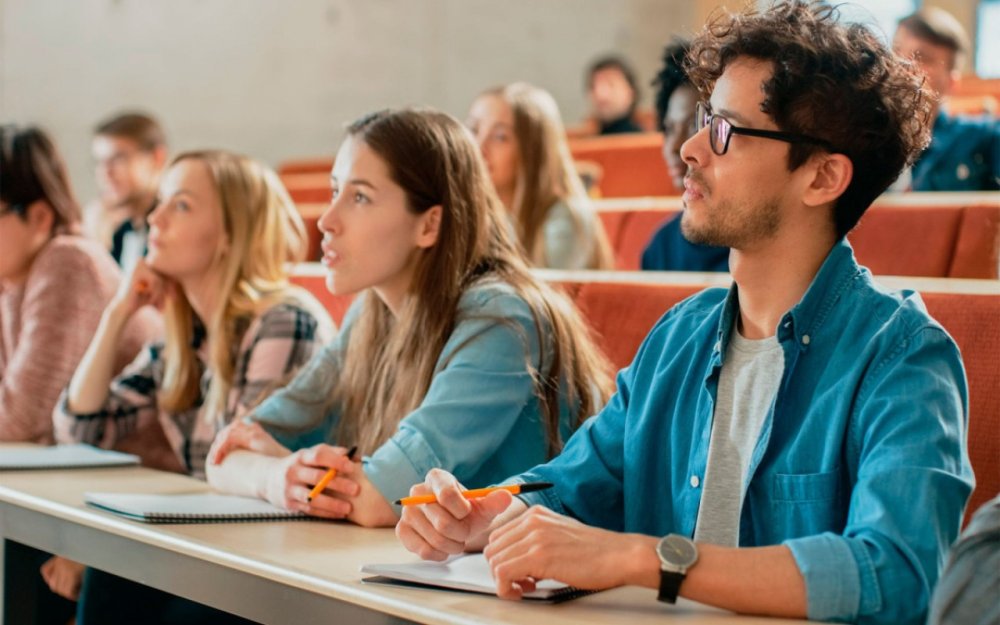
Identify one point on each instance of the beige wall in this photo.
(279, 79)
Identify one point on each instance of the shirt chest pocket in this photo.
(804, 504)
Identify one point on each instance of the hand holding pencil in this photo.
(452, 519)
(328, 477)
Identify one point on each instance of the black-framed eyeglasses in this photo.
(721, 130)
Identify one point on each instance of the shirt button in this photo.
(805, 339)
(695, 481)
(718, 346)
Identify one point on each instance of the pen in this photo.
(326, 479)
(477, 493)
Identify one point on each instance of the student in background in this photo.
(521, 137)
(968, 590)
(453, 354)
(220, 239)
(614, 95)
(964, 154)
(676, 98)
(53, 286)
(130, 152)
(794, 445)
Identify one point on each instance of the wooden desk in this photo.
(302, 572)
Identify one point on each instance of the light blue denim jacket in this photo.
(861, 466)
(480, 418)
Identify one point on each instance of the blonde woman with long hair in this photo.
(521, 136)
(452, 355)
(220, 239)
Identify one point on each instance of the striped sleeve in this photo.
(274, 348)
(131, 405)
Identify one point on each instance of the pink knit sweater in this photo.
(46, 324)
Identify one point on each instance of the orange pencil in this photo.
(476, 493)
(326, 479)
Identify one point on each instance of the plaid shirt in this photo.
(273, 347)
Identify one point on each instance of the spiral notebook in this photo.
(468, 573)
(63, 457)
(189, 508)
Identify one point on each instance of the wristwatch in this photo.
(677, 554)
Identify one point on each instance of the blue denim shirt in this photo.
(479, 420)
(964, 155)
(861, 466)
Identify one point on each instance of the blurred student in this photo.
(220, 240)
(614, 95)
(676, 98)
(452, 355)
(964, 154)
(521, 137)
(53, 286)
(130, 153)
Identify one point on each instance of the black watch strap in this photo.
(670, 585)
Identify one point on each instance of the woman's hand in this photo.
(63, 577)
(292, 479)
(144, 287)
(242, 435)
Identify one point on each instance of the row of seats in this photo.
(939, 235)
(622, 307)
(943, 235)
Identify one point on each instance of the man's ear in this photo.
(160, 157)
(832, 173)
(429, 227)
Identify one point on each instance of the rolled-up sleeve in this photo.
(913, 481)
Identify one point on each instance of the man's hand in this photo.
(452, 525)
(541, 544)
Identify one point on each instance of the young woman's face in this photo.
(370, 237)
(186, 232)
(491, 121)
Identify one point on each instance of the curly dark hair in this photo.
(833, 81)
(670, 77)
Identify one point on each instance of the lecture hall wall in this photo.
(279, 79)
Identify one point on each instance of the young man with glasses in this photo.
(130, 152)
(797, 441)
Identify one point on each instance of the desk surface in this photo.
(284, 560)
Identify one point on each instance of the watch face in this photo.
(677, 551)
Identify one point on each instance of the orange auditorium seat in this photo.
(955, 235)
(317, 165)
(308, 187)
(632, 164)
(974, 322)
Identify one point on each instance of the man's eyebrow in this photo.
(733, 116)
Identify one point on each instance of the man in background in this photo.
(613, 94)
(130, 152)
(964, 154)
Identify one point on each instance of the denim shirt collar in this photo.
(804, 322)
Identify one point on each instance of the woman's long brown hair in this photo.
(547, 175)
(389, 361)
